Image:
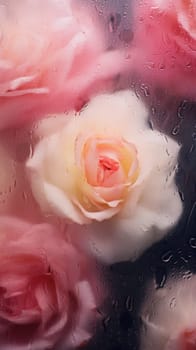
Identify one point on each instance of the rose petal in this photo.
(53, 303)
(67, 61)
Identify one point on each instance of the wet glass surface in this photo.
(174, 115)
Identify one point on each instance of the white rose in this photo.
(107, 164)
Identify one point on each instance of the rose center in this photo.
(106, 167)
(23, 296)
(15, 305)
(109, 163)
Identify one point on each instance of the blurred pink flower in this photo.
(47, 289)
(53, 56)
(163, 51)
(168, 314)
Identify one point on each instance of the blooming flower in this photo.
(52, 58)
(106, 163)
(163, 49)
(47, 294)
(169, 316)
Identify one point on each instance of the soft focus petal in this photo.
(162, 52)
(168, 313)
(48, 290)
(67, 61)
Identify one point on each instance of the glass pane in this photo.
(98, 174)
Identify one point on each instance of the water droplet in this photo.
(192, 148)
(145, 89)
(172, 303)
(192, 242)
(106, 322)
(166, 257)
(24, 196)
(151, 124)
(115, 304)
(114, 22)
(160, 277)
(150, 65)
(194, 136)
(189, 65)
(161, 66)
(187, 275)
(126, 36)
(129, 303)
(176, 130)
(182, 108)
(184, 259)
(167, 151)
(181, 195)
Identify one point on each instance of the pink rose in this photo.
(47, 288)
(169, 318)
(163, 49)
(52, 58)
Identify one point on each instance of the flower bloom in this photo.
(106, 163)
(46, 292)
(168, 314)
(163, 49)
(50, 63)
